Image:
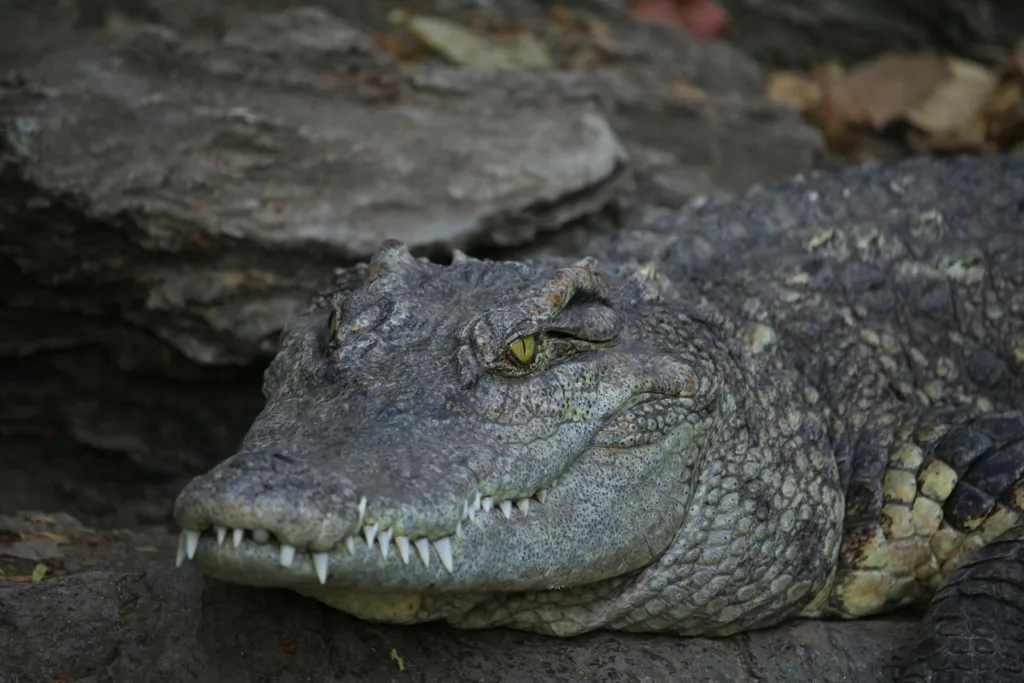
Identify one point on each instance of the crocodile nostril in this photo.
(283, 457)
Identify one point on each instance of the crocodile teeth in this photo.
(524, 506)
(287, 555)
(506, 508)
(320, 566)
(261, 536)
(180, 559)
(385, 543)
(236, 537)
(371, 533)
(443, 546)
(423, 548)
(222, 533)
(191, 542)
(362, 510)
(350, 544)
(402, 543)
(540, 495)
(472, 514)
(487, 503)
(458, 529)
(476, 503)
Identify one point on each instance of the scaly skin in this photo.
(805, 402)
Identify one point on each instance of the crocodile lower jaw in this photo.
(416, 550)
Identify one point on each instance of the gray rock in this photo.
(224, 177)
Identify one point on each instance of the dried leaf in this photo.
(399, 660)
(43, 519)
(403, 47)
(795, 89)
(828, 73)
(60, 538)
(18, 578)
(398, 15)
(879, 92)
(460, 45)
(39, 572)
(687, 91)
(952, 108)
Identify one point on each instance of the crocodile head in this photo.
(445, 434)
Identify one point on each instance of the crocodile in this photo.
(805, 402)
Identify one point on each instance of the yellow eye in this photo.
(523, 349)
(332, 324)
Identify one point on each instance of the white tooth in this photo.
(180, 559)
(350, 544)
(261, 536)
(370, 532)
(476, 502)
(541, 495)
(524, 506)
(458, 530)
(443, 546)
(472, 514)
(222, 533)
(423, 548)
(487, 504)
(465, 509)
(385, 543)
(320, 565)
(402, 543)
(362, 510)
(287, 555)
(191, 543)
(236, 537)
(506, 508)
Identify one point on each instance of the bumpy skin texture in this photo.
(806, 402)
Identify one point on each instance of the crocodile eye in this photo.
(523, 349)
(332, 324)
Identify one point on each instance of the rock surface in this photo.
(119, 612)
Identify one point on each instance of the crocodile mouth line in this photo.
(383, 539)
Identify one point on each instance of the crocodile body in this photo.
(804, 402)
